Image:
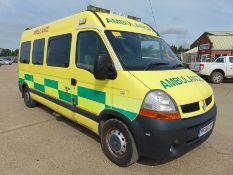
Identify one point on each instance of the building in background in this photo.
(211, 45)
(190, 56)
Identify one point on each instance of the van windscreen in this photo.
(142, 52)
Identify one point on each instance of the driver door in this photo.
(93, 96)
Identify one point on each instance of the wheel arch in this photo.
(219, 70)
(110, 114)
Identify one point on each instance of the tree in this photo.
(178, 50)
(15, 52)
(181, 49)
(8, 52)
(174, 48)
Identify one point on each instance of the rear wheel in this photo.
(118, 143)
(27, 98)
(216, 77)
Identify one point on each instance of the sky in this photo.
(180, 22)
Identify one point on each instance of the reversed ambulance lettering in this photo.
(129, 23)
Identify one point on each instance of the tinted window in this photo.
(25, 52)
(231, 59)
(59, 51)
(220, 60)
(89, 45)
(38, 52)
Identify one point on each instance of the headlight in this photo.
(158, 104)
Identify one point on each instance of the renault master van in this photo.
(116, 76)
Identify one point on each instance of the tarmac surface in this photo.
(36, 141)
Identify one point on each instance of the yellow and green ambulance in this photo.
(116, 76)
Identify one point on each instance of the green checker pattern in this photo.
(90, 94)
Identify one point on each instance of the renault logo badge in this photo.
(203, 105)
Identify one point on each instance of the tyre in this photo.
(118, 143)
(27, 98)
(216, 77)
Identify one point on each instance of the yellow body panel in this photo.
(125, 94)
(185, 93)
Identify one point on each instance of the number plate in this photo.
(205, 129)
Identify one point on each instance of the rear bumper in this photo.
(155, 138)
(197, 72)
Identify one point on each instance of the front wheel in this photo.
(216, 77)
(118, 143)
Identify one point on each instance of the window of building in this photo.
(89, 45)
(189, 59)
(204, 46)
(38, 52)
(59, 50)
(231, 59)
(25, 50)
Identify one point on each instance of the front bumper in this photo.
(166, 139)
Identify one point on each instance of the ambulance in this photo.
(116, 76)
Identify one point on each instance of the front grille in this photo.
(192, 107)
(208, 100)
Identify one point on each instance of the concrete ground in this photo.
(35, 141)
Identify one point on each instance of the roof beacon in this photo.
(98, 9)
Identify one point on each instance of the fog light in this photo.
(172, 149)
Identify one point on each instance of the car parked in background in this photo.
(15, 60)
(216, 71)
(8, 61)
(2, 62)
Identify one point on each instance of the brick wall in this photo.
(204, 40)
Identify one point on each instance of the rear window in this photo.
(59, 51)
(25, 50)
(38, 52)
(231, 59)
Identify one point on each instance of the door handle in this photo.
(73, 82)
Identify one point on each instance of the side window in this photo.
(220, 60)
(89, 45)
(25, 52)
(59, 50)
(38, 52)
(231, 59)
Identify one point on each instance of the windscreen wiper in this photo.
(155, 64)
(178, 65)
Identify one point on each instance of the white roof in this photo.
(221, 33)
(193, 50)
(221, 42)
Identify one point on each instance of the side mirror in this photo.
(103, 68)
